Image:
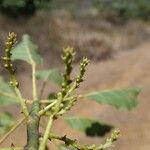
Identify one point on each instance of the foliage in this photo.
(18, 8)
(124, 10)
(62, 102)
(119, 98)
(89, 126)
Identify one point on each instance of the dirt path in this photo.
(127, 69)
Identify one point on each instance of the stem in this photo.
(12, 130)
(46, 134)
(34, 118)
(33, 127)
(54, 101)
(41, 112)
(22, 102)
(43, 101)
(69, 142)
(70, 90)
(34, 82)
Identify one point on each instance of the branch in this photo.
(46, 134)
(33, 127)
(34, 81)
(75, 144)
(11, 40)
(41, 112)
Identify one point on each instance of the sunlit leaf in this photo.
(50, 75)
(119, 98)
(27, 51)
(7, 95)
(89, 126)
(6, 122)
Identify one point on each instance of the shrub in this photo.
(56, 105)
(124, 10)
(16, 8)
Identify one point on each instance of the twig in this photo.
(75, 144)
(11, 40)
(23, 104)
(34, 81)
(41, 112)
(46, 134)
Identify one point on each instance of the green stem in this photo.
(46, 134)
(41, 112)
(22, 102)
(34, 82)
(33, 127)
(54, 101)
(69, 142)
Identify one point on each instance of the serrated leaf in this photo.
(89, 126)
(7, 96)
(50, 75)
(119, 98)
(27, 51)
(6, 122)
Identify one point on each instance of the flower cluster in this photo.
(11, 40)
(80, 77)
(68, 55)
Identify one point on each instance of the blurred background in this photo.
(113, 34)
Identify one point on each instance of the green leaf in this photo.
(26, 51)
(7, 96)
(50, 75)
(6, 122)
(119, 98)
(89, 126)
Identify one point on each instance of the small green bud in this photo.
(16, 84)
(61, 105)
(5, 58)
(11, 83)
(6, 66)
(115, 135)
(53, 109)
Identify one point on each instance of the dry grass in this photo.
(90, 35)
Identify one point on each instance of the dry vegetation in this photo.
(90, 35)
